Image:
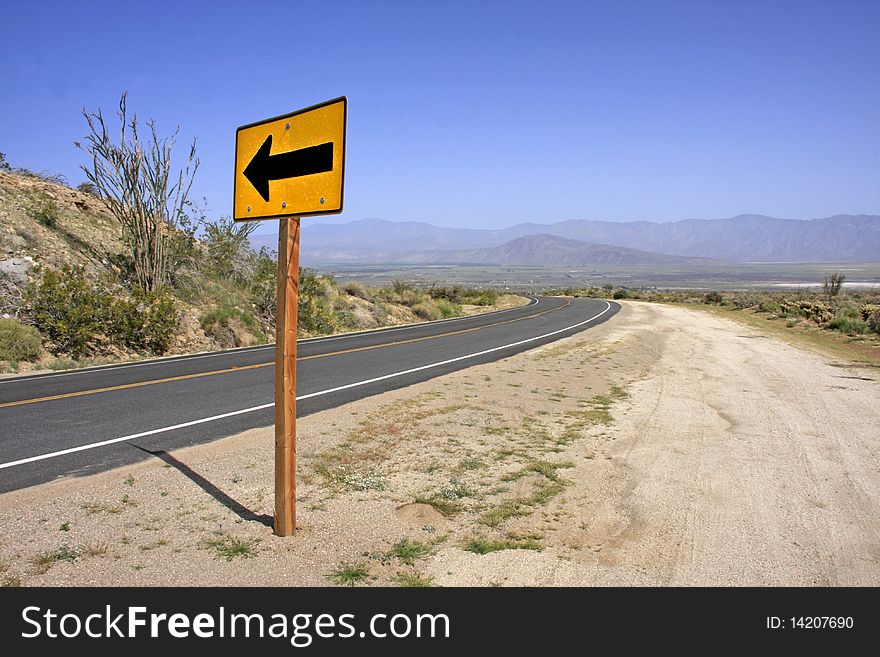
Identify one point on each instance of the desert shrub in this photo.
(747, 300)
(144, 322)
(355, 289)
(450, 292)
(426, 309)
(315, 314)
(312, 284)
(832, 284)
(314, 317)
(816, 311)
(67, 309)
(380, 313)
(48, 176)
(228, 248)
(263, 287)
(4, 165)
(89, 188)
(620, 293)
(343, 316)
(448, 309)
(18, 342)
(231, 326)
(223, 314)
(77, 316)
(480, 297)
(769, 306)
(869, 309)
(399, 287)
(713, 297)
(870, 313)
(45, 211)
(848, 325)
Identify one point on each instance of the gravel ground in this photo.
(665, 447)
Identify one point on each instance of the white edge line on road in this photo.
(183, 425)
(163, 361)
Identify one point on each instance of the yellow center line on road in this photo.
(241, 368)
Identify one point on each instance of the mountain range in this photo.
(744, 238)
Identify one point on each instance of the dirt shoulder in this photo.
(667, 446)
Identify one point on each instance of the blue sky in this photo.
(483, 114)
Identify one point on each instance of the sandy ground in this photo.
(665, 447)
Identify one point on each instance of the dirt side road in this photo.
(666, 447)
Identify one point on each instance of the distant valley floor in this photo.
(707, 276)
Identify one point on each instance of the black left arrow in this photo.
(303, 162)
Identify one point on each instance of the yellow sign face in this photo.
(292, 165)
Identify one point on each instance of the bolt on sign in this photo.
(286, 168)
(292, 165)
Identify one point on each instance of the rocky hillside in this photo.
(223, 298)
(44, 223)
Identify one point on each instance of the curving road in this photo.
(84, 421)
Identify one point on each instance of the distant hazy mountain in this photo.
(543, 250)
(745, 238)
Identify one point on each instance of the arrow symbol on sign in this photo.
(293, 164)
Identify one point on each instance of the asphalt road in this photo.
(84, 421)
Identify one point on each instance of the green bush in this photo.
(45, 211)
(314, 317)
(145, 322)
(228, 248)
(620, 294)
(713, 297)
(458, 294)
(426, 309)
(263, 287)
(343, 316)
(480, 298)
(77, 316)
(89, 188)
(870, 312)
(18, 342)
(746, 300)
(448, 309)
(67, 310)
(231, 326)
(223, 314)
(313, 308)
(769, 306)
(848, 325)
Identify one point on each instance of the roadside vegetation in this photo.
(845, 321)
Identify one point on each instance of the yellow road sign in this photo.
(292, 165)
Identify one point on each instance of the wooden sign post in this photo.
(286, 168)
(285, 376)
